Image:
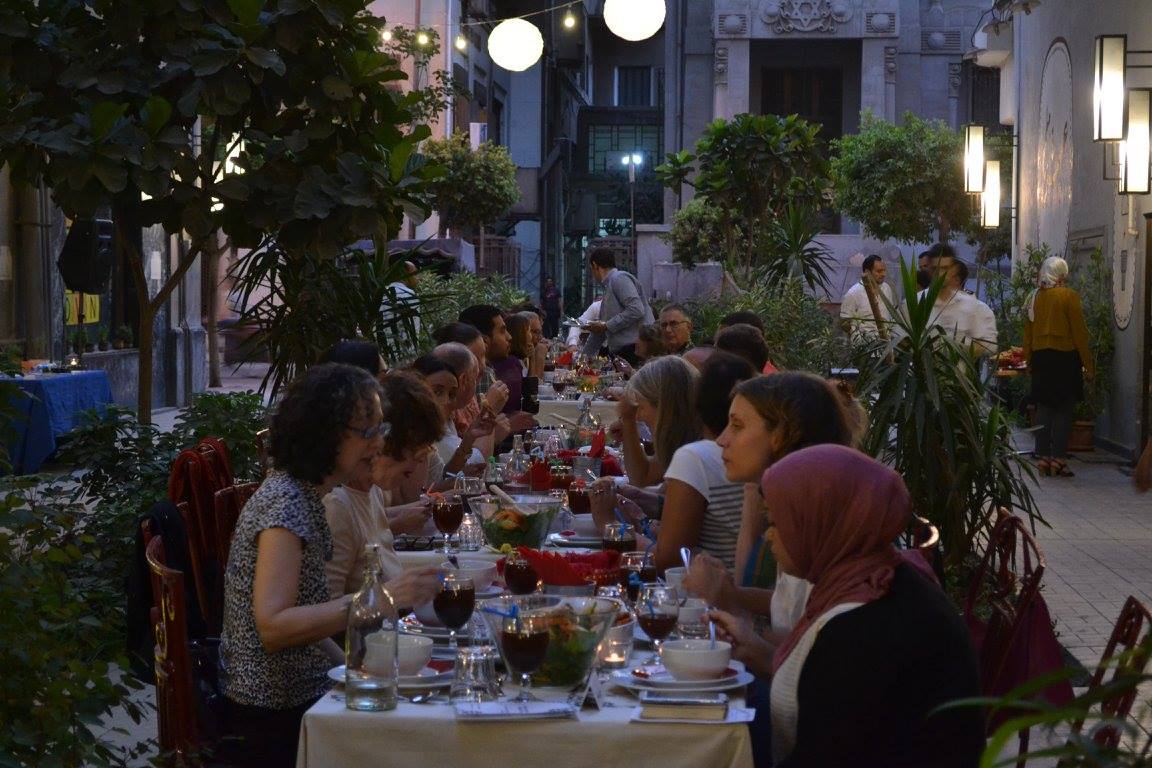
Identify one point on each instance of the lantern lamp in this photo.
(974, 159)
(515, 44)
(634, 20)
(1134, 151)
(1108, 78)
(990, 197)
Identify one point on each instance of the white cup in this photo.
(673, 577)
(380, 655)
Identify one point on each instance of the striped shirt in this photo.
(700, 466)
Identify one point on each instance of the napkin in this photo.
(564, 359)
(596, 450)
(513, 710)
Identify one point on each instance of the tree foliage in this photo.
(478, 185)
(751, 169)
(902, 182)
(698, 233)
(104, 100)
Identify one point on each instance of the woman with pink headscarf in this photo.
(878, 647)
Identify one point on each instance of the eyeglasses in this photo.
(380, 430)
(672, 323)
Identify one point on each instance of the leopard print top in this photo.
(293, 676)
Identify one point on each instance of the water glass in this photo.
(475, 675)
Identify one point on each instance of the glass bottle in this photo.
(517, 462)
(587, 424)
(492, 475)
(370, 645)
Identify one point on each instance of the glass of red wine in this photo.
(656, 613)
(454, 604)
(618, 536)
(448, 514)
(524, 641)
(519, 575)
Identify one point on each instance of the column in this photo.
(875, 87)
(732, 76)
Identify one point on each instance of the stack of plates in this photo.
(424, 679)
(658, 679)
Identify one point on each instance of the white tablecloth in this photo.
(605, 410)
(428, 734)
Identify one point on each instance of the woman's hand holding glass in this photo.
(708, 578)
(409, 518)
(413, 587)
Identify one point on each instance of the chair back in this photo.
(262, 445)
(175, 695)
(197, 474)
(924, 537)
(1131, 635)
(1009, 575)
(228, 503)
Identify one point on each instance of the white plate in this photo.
(665, 682)
(587, 542)
(427, 678)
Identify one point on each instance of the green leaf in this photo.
(104, 116)
(266, 59)
(247, 11)
(336, 88)
(212, 60)
(157, 110)
(233, 188)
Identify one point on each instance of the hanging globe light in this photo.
(515, 44)
(634, 19)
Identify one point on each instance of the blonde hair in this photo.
(669, 383)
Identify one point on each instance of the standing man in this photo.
(856, 311)
(675, 329)
(402, 294)
(552, 305)
(962, 316)
(622, 310)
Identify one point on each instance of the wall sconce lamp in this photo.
(1109, 58)
(1134, 150)
(990, 197)
(974, 159)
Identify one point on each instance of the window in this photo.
(634, 86)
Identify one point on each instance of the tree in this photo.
(751, 169)
(478, 186)
(902, 181)
(109, 100)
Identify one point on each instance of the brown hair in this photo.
(412, 412)
(653, 341)
(518, 325)
(808, 409)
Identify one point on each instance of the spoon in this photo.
(711, 635)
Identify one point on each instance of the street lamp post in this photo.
(633, 160)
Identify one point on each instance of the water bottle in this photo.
(370, 645)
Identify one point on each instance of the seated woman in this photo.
(522, 368)
(278, 614)
(699, 508)
(461, 451)
(358, 511)
(662, 394)
(879, 646)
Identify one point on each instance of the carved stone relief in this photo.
(1054, 153)
(890, 52)
(721, 66)
(786, 16)
(732, 24)
(954, 79)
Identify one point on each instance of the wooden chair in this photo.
(197, 474)
(228, 503)
(175, 695)
(1009, 573)
(1131, 635)
(921, 535)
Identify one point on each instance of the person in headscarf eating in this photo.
(878, 647)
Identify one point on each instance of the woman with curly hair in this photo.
(278, 613)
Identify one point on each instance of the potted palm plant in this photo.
(1093, 281)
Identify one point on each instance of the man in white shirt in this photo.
(855, 310)
(965, 318)
(402, 293)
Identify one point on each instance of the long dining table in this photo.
(429, 734)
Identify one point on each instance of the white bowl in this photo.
(694, 660)
(482, 572)
(414, 653)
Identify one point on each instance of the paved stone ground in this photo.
(1098, 550)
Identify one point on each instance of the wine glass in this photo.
(524, 641)
(559, 382)
(454, 604)
(448, 514)
(618, 536)
(657, 612)
(639, 563)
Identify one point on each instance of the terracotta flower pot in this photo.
(1081, 438)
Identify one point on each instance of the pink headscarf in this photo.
(836, 512)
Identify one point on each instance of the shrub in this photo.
(442, 298)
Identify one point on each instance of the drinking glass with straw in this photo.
(656, 613)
